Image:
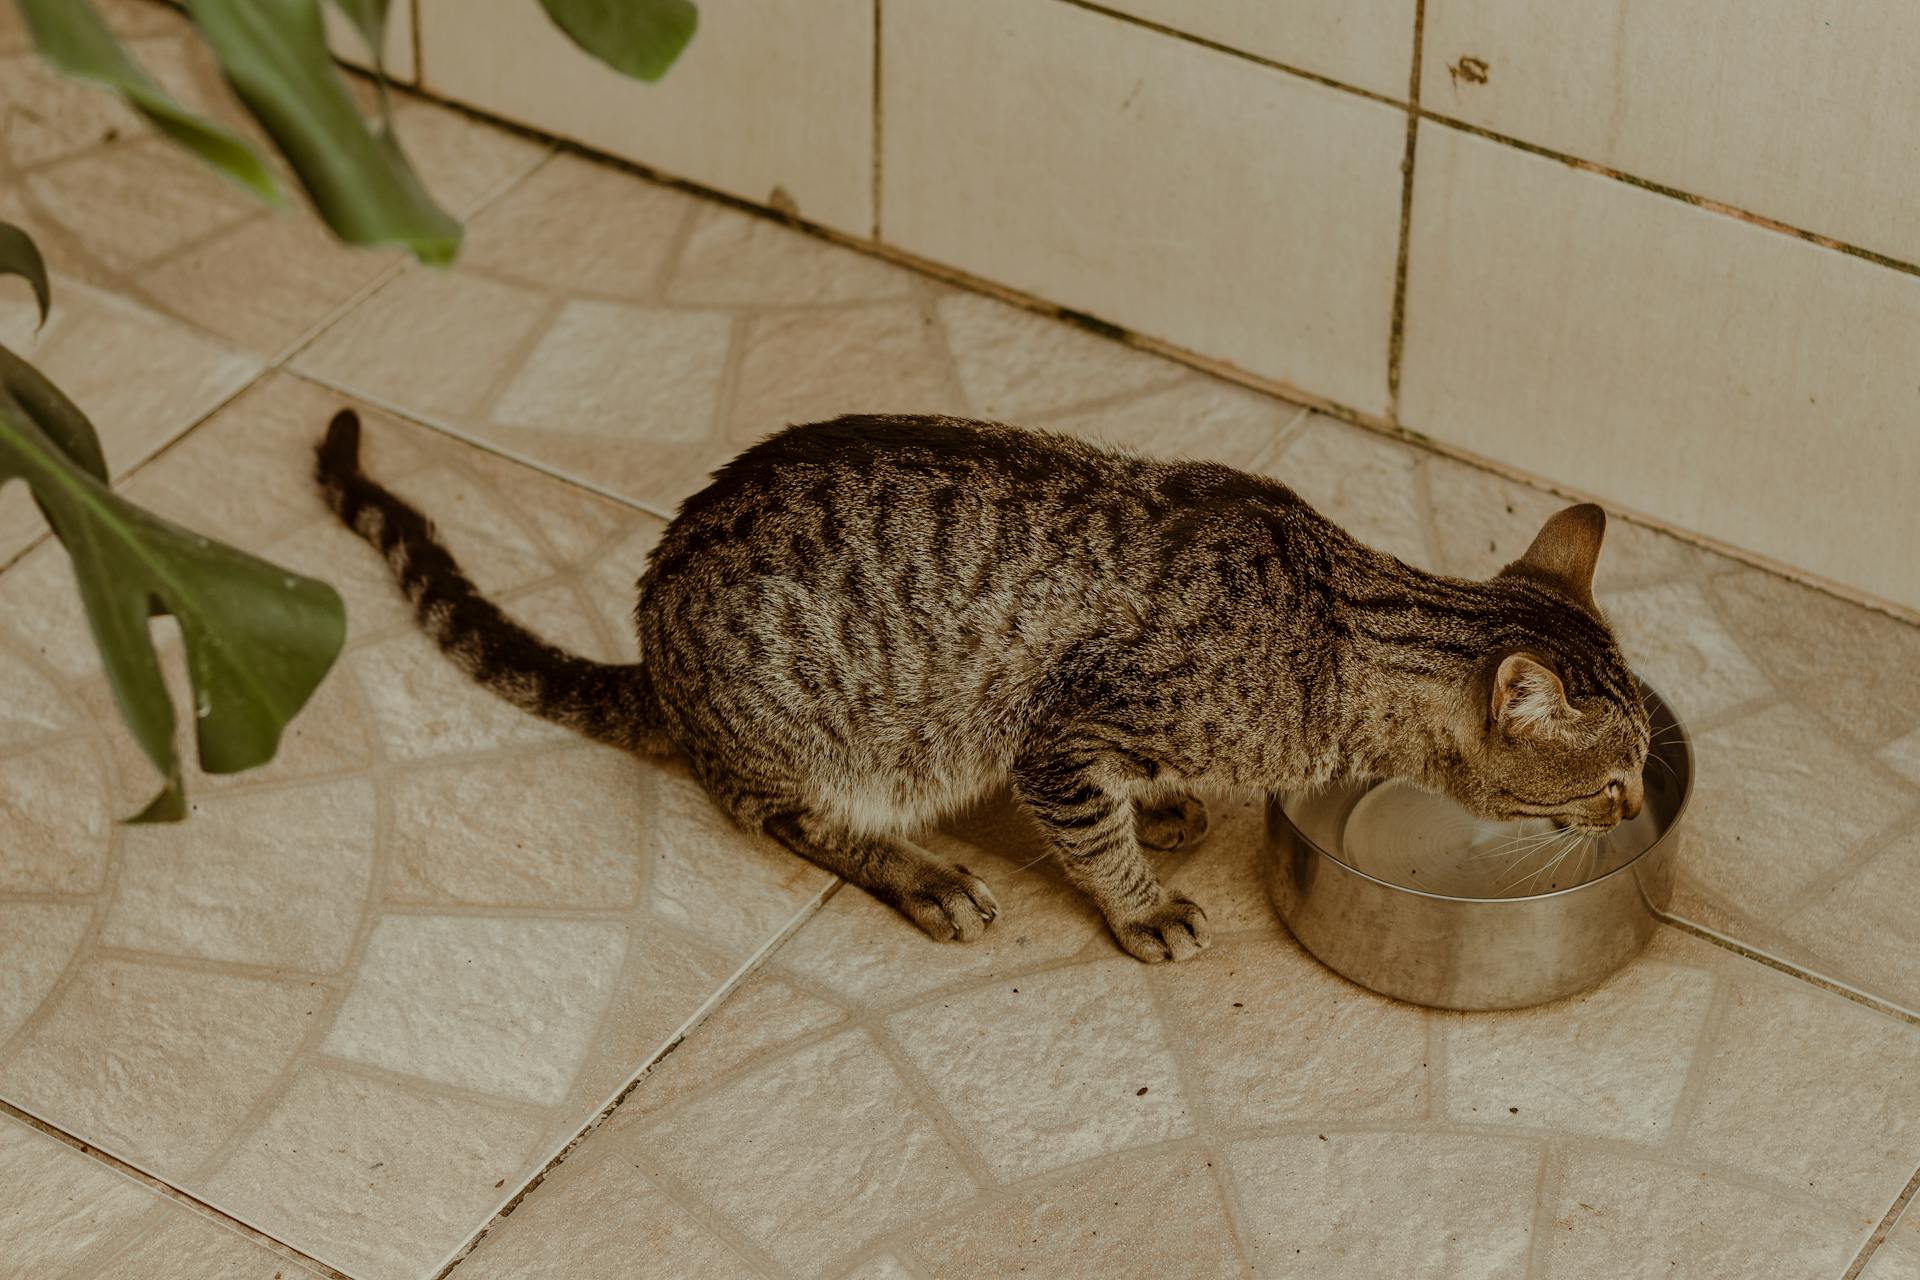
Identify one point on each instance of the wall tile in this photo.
(769, 98)
(1733, 380)
(1805, 113)
(1368, 43)
(1182, 192)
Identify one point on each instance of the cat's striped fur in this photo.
(862, 625)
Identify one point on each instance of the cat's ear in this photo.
(1528, 698)
(1565, 552)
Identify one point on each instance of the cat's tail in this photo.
(611, 703)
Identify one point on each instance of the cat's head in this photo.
(1552, 723)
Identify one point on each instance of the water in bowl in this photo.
(1396, 832)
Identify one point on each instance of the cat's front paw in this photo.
(951, 904)
(1180, 823)
(1175, 930)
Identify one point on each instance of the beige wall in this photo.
(1657, 253)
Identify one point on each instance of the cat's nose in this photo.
(1632, 798)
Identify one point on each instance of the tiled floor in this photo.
(367, 993)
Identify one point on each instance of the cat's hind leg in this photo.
(1170, 818)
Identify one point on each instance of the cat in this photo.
(863, 625)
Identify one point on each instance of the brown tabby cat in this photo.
(862, 625)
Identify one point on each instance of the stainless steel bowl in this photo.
(1478, 934)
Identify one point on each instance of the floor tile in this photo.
(376, 1178)
(1170, 1221)
(1674, 640)
(1612, 1063)
(61, 824)
(734, 259)
(503, 1007)
(37, 942)
(1778, 803)
(603, 1221)
(1091, 1072)
(802, 367)
(1805, 638)
(157, 1064)
(810, 1154)
(1372, 1204)
(1483, 522)
(1835, 1080)
(141, 378)
(113, 203)
(1899, 1257)
(1673, 1114)
(1271, 1037)
(1363, 482)
(1903, 757)
(548, 232)
(360, 1046)
(67, 1215)
(275, 878)
(431, 341)
(1865, 929)
(1014, 363)
(1618, 1214)
(1199, 418)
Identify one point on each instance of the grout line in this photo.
(1721, 996)
(1545, 1183)
(1812, 977)
(1397, 333)
(1886, 1225)
(877, 119)
(1706, 203)
(420, 418)
(1868, 851)
(419, 62)
(1411, 103)
(166, 1190)
(1276, 448)
(1187, 37)
(1200, 1118)
(727, 987)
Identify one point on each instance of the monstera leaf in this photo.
(259, 639)
(71, 36)
(639, 38)
(274, 52)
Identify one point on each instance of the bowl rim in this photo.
(1685, 739)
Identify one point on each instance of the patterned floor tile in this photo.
(114, 204)
(364, 992)
(67, 1216)
(990, 1119)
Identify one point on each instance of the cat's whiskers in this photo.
(1575, 836)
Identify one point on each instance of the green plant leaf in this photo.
(20, 256)
(274, 53)
(57, 416)
(639, 38)
(259, 639)
(71, 36)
